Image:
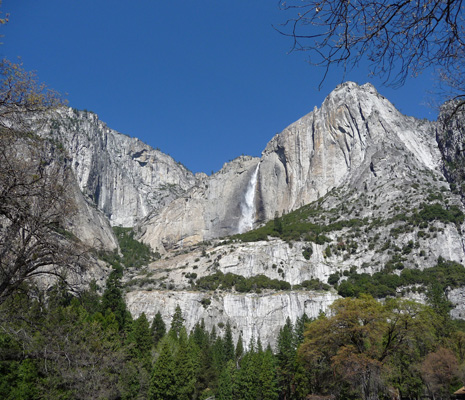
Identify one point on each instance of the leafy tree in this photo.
(36, 205)
(440, 372)
(365, 346)
(22, 94)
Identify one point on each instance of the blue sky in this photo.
(204, 81)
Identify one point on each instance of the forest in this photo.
(87, 346)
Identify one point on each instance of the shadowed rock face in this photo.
(124, 177)
(344, 142)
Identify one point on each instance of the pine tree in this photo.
(228, 343)
(267, 377)
(239, 349)
(157, 329)
(176, 322)
(141, 339)
(206, 373)
(163, 382)
(185, 368)
(218, 355)
(247, 383)
(225, 382)
(299, 329)
(285, 354)
(113, 299)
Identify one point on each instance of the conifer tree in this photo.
(239, 348)
(218, 355)
(299, 329)
(228, 343)
(184, 370)
(247, 385)
(176, 322)
(226, 382)
(113, 299)
(141, 339)
(157, 329)
(285, 354)
(163, 382)
(267, 377)
(206, 373)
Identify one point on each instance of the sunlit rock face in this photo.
(124, 177)
(356, 158)
(353, 131)
(251, 315)
(213, 208)
(357, 137)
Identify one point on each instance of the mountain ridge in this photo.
(351, 188)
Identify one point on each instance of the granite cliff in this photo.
(125, 178)
(353, 189)
(348, 142)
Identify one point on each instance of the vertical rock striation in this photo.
(124, 177)
(356, 136)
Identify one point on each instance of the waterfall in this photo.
(248, 204)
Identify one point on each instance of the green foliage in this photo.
(135, 253)
(314, 284)
(163, 381)
(366, 346)
(385, 283)
(113, 299)
(285, 356)
(176, 322)
(140, 339)
(297, 225)
(435, 212)
(307, 252)
(228, 344)
(241, 284)
(157, 329)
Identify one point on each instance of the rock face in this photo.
(363, 170)
(334, 144)
(253, 316)
(371, 178)
(209, 210)
(450, 135)
(124, 177)
(355, 136)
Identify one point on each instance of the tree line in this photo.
(87, 346)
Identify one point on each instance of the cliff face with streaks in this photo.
(365, 188)
(124, 177)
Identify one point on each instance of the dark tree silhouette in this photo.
(400, 38)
